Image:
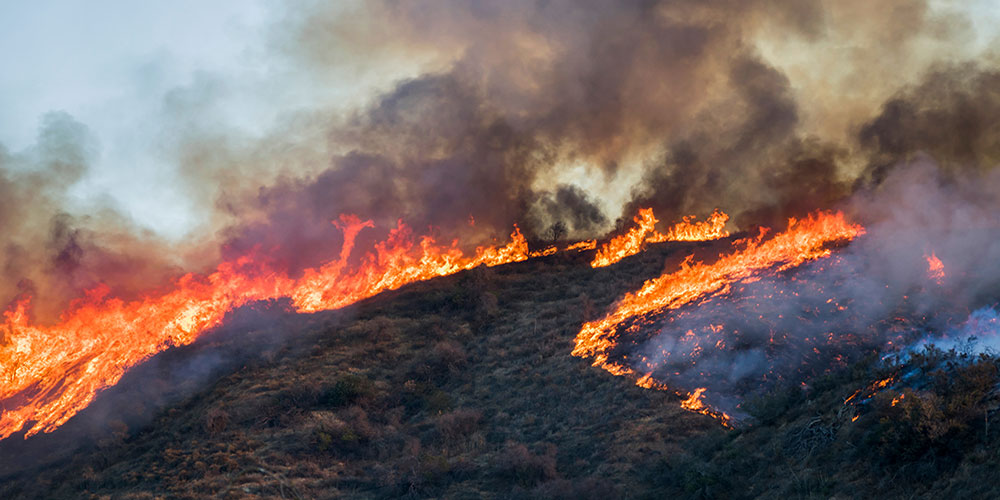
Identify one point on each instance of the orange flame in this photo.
(583, 245)
(49, 373)
(693, 402)
(804, 240)
(544, 252)
(871, 389)
(712, 228)
(935, 268)
(645, 231)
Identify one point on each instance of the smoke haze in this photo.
(523, 112)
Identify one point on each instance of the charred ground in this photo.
(463, 387)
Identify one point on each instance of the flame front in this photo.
(50, 373)
(804, 240)
(693, 402)
(712, 228)
(645, 231)
(935, 268)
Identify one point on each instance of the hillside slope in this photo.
(458, 387)
(463, 387)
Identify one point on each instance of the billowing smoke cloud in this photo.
(680, 95)
(569, 208)
(536, 113)
(50, 253)
(953, 115)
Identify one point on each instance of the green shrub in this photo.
(347, 389)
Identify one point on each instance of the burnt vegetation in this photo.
(926, 437)
(463, 387)
(459, 387)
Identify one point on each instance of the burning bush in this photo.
(945, 407)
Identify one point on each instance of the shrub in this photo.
(519, 464)
(449, 355)
(437, 401)
(942, 418)
(216, 420)
(350, 432)
(457, 424)
(444, 359)
(574, 489)
(347, 389)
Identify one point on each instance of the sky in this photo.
(111, 63)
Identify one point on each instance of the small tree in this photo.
(557, 231)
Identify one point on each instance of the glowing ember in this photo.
(804, 240)
(544, 252)
(693, 402)
(935, 268)
(645, 231)
(583, 245)
(871, 389)
(50, 373)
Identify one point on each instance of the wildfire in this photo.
(583, 245)
(693, 402)
(50, 373)
(935, 268)
(645, 231)
(804, 240)
(688, 230)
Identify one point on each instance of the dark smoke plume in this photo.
(536, 113)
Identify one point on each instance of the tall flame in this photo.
(645, 231)
(804, 240)
(49, 373)
(688, 229)
(935, 268)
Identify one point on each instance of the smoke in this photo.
(979, 334)
(49, 252)
(877, 294)
(680, 106)
(952, 115)
(535, 113)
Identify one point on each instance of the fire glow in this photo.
(804, 240)
(50, 373)
(645, 231)
(935, 268)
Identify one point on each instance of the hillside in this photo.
(458, 386)
(463, 387)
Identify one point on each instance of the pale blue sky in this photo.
(108, 63)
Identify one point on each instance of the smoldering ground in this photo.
(877, 295)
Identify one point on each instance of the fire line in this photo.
(804, 240)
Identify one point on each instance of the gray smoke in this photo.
(536, 113)
(877, 294)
